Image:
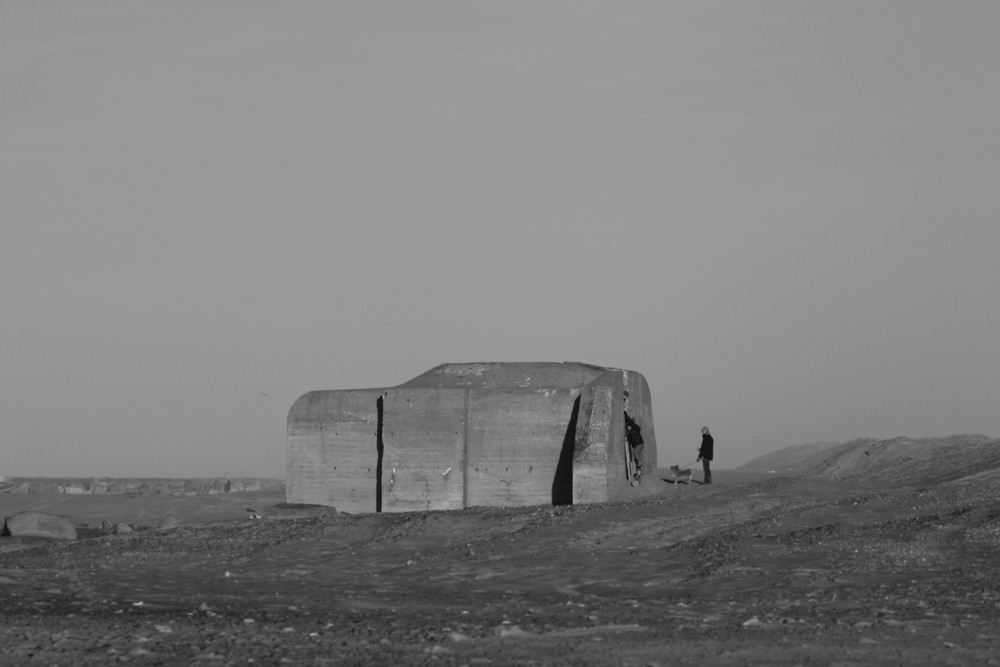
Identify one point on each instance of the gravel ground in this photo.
(783, 571)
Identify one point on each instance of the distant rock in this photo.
(13, 486)
(134, 486)
(168, 522)
(296, 511)
(123, 529)
(195, 486)
(39, 524)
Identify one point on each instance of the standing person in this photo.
(705, 453)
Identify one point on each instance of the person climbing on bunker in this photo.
(633, 434)
(705, 453)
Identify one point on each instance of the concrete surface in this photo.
(466, 435)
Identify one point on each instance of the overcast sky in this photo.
(783, 214)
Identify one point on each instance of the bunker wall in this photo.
(423, 459)
(332, 451)
(639, 405)
(598, 455)
(516, 441)
(433, 448)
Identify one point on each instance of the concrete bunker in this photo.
(472, 434)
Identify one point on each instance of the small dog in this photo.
(681, 476)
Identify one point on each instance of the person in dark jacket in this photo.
(705, 453)
(633, 434)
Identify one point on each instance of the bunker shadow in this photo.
(562, 483)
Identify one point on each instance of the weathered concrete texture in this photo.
(39, 524)
(333, 449)
(463, 435)
(516, 437)
(423, 434)
(600, 448)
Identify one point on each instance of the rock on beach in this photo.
(39, 524)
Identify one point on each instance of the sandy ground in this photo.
(142, 510)
(754, 569)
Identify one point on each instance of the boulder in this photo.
(122, 528)
(39, 524)
(168, 522)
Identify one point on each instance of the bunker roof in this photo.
(526, 375)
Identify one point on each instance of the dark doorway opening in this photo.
(562, 484)
(379, 448)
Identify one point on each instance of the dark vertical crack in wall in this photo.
(465, 454)
(380, 449)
